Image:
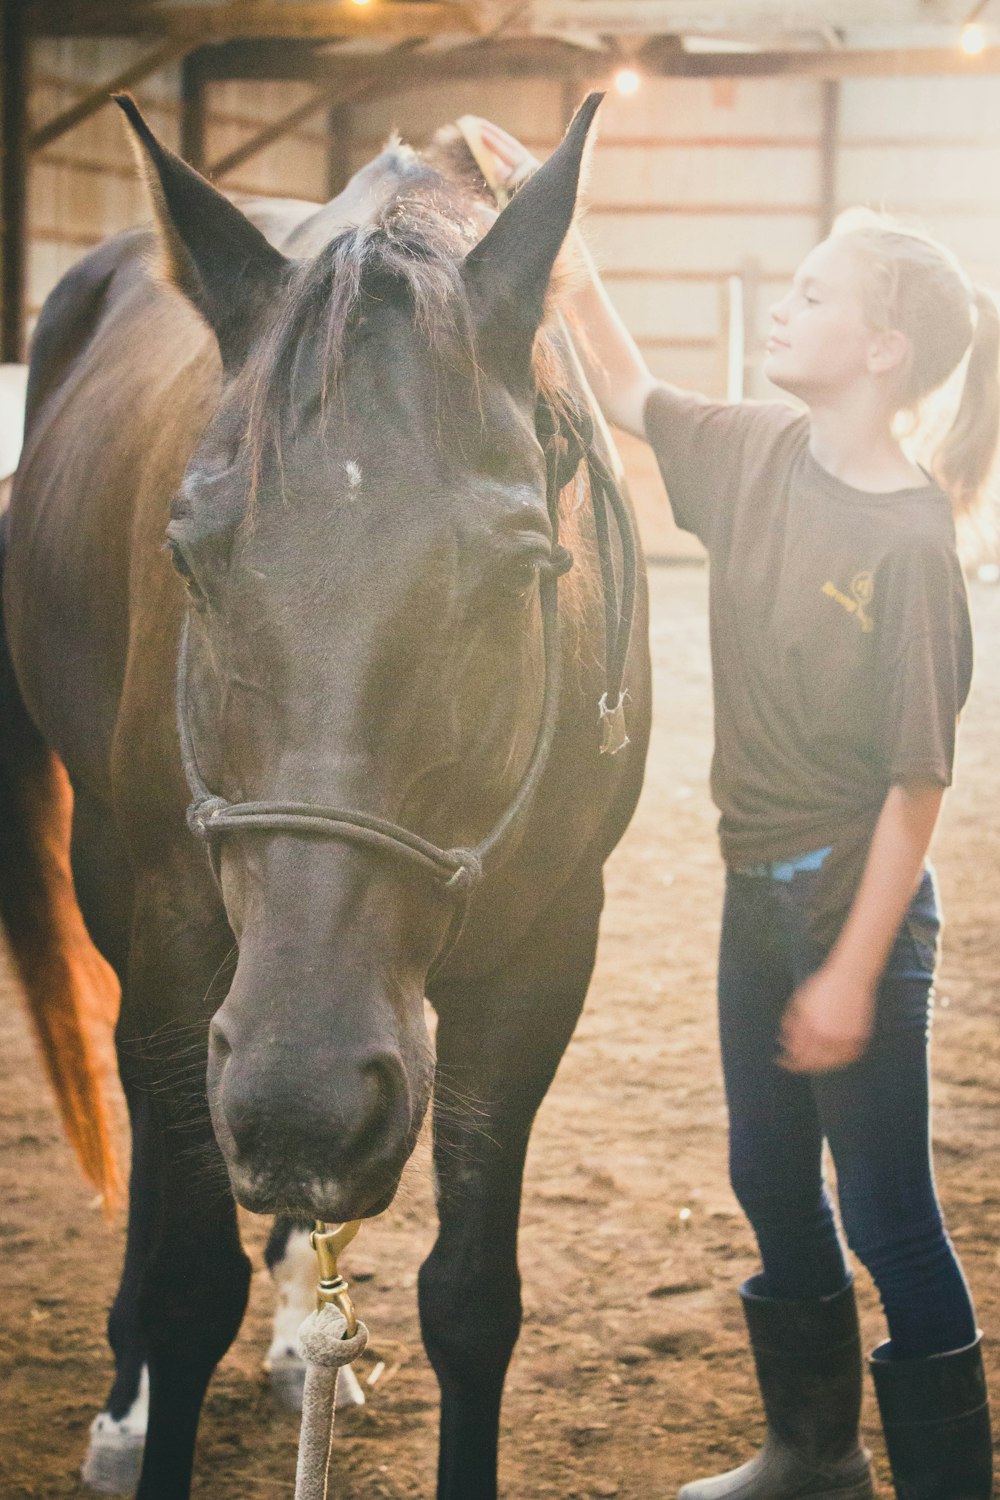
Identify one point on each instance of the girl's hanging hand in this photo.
(828, 1023)
(830, 1018)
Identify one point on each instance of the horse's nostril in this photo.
(385, 1091)
(218, 1044)
(376, 1087)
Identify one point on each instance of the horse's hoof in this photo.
(114, 1458)
(349, 1392)
(288, 1378)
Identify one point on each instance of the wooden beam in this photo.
(331, 94)
(829, 154)
(877, 62)
(320, 99)
(684, 277)
(290, 59)
(568, 100)
(14, 178)
(542, 145)
(320, 19)
(192, 123)
(339, 135)
(676, 341)
(479, 59)
(680, 208)
(295, 21)
(281, 59)
(548, 57)
(96, 98)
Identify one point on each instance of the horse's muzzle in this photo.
(324, 1136)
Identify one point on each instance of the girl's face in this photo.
(821, 343)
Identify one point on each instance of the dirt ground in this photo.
(631, 1374)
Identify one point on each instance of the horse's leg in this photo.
(499, 1043)
(118, 1432)
(102, 877)
(292, 1263)
(123, 1325)
(192, 1296)
(187, 1281)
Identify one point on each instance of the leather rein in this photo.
(567, 440)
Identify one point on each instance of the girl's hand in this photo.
(514, 162)
(828, 1023)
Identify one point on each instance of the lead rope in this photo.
(329, 1339)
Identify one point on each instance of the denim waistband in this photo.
(785, 869)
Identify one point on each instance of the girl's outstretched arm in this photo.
(617, 373)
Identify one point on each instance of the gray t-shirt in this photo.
(840, 633)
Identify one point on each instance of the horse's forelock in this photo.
(412, 249)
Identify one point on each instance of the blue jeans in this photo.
(874, 1114)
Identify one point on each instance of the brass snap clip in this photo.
(328, 1240)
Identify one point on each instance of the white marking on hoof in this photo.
(114, 1453)
(294, 1278)
(349, 1392)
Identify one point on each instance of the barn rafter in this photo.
(320, 20)
(346, 54)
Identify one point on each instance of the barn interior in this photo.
(732, 136)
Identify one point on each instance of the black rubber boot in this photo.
(936, 1419)
(808, 1358)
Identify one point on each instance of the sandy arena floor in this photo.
(631, 1374)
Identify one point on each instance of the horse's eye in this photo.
(520, 577)
(183, 567)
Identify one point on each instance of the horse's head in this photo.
(361, 530)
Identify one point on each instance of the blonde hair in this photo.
(913, 284)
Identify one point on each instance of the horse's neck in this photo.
(368, 191)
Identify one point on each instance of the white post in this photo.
(736, 343)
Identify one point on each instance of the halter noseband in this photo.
(566, 441)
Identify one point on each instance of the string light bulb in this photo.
(627, 82)
(972, 39)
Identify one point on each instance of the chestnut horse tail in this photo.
(72, 994)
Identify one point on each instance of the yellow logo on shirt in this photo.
(862, 589)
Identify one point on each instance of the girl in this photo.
(841, 652)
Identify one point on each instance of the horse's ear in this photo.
(507, 274)
(214, 255)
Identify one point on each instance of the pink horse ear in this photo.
(507, 274)
(214, 255)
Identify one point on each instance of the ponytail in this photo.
(912, 283)
(963, 462)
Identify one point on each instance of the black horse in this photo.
(338, 441)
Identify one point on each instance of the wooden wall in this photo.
(84, 186)
(693, 181)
